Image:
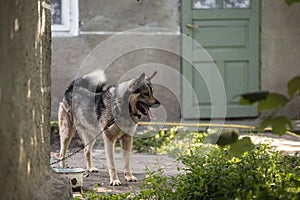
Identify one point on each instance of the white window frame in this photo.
(70, 20)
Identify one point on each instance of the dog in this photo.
(89, 109)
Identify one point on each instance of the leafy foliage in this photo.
(294, 85)
(174, 141)
(290, 2)
(212, 173)
(259, 173)
(279, 124)
(54, 128)
(271, 101)
(241, 146)
(178, 141)
(266, 100)
(250, 98)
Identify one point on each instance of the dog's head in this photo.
(142, 98)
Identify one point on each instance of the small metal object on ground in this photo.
(75, 175)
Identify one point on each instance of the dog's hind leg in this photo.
(126, 141)
(66, 131)
(88, 155)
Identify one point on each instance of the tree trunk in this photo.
(25, 56)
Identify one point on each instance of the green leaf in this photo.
(264, 124)
(250, 98)
(240, 146)
(290, 2)
(228, 137)
(294, 86)
(273, 101)
(280, 124)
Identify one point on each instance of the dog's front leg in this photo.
(109, 143)
(126, 141)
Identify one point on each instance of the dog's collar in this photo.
(111, 122)
(137, 115)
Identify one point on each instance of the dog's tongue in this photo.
(148, 112)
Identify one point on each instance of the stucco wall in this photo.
(84, 53)
(280, 46)
(107, 15)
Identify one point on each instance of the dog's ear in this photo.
(137, 82)
(149, 78)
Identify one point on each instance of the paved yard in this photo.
(139, 162)
(288, 143)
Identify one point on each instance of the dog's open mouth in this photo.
(145, 110)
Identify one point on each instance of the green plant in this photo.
(174, 141)
(97, 196)
(156, 186)
(212, 173)
(54, 127)
(151, 140)
(93, 195)
(290, 2)
(178, 141)
(275, 102)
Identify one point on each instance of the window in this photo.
(219, 4)
(64, 17)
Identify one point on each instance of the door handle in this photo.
(192, 26)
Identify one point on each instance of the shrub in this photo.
(213, 174)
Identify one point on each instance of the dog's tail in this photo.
(94, 82)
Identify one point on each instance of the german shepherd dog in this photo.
(89, 109)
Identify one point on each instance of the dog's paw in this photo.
(93, 170)
(130, 178)
(115, 183)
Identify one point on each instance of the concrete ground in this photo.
(139, 163)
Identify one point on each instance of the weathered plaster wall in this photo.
(25, 103)
(280, 46)
(84, 53)
(107, 15)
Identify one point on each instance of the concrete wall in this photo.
(114, 15)
(25, 104)
(279, 46)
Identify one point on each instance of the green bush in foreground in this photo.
(212, 172)
(257, 174)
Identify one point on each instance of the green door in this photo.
(222, 59)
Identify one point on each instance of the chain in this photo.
(79, 150)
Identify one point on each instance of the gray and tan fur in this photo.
(89, 109)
